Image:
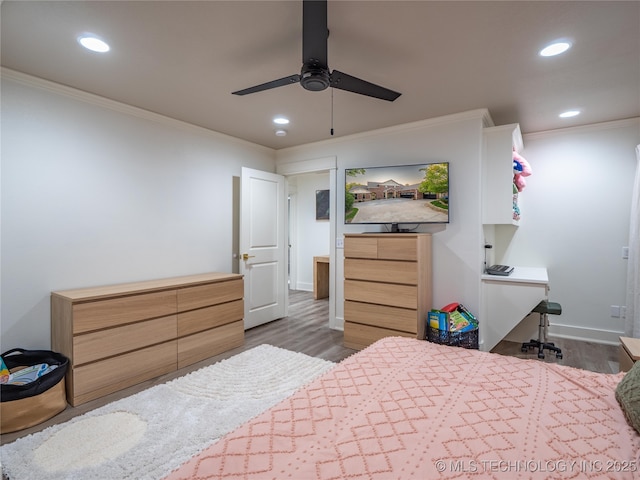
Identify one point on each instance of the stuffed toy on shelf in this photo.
(521, 169)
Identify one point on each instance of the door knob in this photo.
(246, 256)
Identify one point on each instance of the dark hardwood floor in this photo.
(575, 353)
(306, 330)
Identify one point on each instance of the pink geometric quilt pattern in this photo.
(404, 408)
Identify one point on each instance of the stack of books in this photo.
(455, 317)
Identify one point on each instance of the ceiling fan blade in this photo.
(314, 32)
(342, 81)
(269, 85)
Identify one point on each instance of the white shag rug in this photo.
(149, 434)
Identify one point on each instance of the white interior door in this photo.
(263, 246)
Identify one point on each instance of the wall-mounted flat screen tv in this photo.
(406, 194)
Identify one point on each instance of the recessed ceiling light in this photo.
(93, 43)
(555, 48)
(281, 120)
(569, 113)
(281, 132)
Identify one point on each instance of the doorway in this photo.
(309, 233)
(303, 225)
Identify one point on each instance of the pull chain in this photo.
(332, 112)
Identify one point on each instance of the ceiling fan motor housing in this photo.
(315, 77)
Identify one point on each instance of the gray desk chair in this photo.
(544, 308)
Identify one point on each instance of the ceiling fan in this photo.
(315, 74)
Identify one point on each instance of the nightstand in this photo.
(629, 352)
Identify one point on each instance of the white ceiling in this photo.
(183, 59)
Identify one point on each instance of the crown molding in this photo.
(481, 114)
(96, 100)
(625, 122)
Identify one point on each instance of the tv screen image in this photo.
(406, 194)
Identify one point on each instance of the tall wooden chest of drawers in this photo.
(120, 335)
(387, 286)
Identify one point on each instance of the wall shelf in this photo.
(497, 174)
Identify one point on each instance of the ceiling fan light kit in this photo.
(315, 74)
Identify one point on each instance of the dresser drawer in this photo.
(405, 296)
(381, 247)
(398, 249)
(93, 346)
(392, 318)
(206, 344)
(359, 336)
(381, 271)
(360, 247)
(200, 296)
(122, 310)
(209, 317)
(107, 376)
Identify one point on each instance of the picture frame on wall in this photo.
(322, 204)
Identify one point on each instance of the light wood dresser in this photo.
(120, 335)
(629, 352)
(387, 286)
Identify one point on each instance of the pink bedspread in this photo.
(405, 408)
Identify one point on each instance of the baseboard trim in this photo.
(606, 337)
(304, 286)
(338, 324)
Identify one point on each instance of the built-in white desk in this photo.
(507, 300)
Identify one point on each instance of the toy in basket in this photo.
(453, 325)
(32, 387)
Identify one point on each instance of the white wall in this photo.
(457, 247)
(310, 237)
(575, 221)
(575, 207)
(94, 193)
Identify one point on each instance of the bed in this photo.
(404, 408)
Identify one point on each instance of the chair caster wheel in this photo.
(558, 355)
(524, 349)
(541, 355)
